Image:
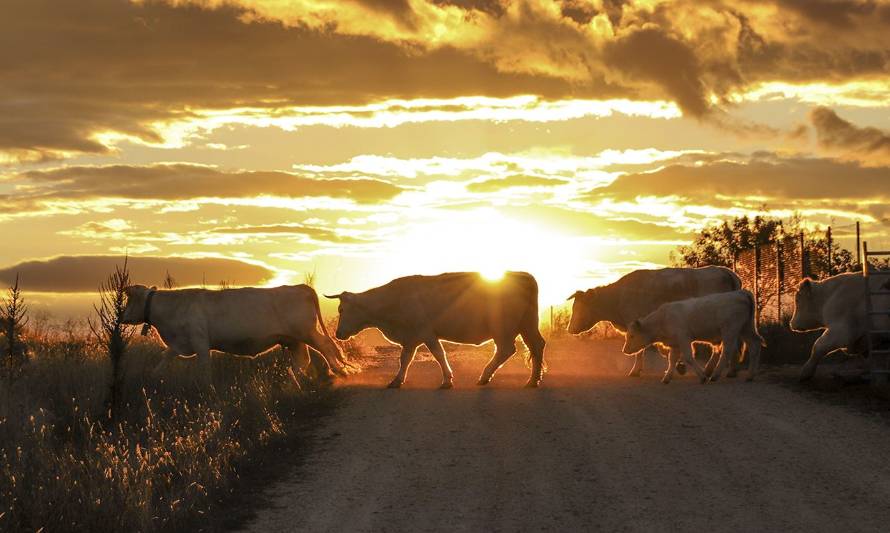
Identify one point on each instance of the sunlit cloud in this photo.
(852, 93)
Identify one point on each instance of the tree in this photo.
(110, 330)
(718, 245)
(13, 314)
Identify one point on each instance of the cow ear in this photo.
(575, 295)
(154, 287)
(636, 325)
(806, 284)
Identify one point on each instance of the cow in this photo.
(725, 318)
(244, 321)
(640, 292)
(459, 307)
(837, 306)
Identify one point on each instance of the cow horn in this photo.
(334, 296)
(575, 295)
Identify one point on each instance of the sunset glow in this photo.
(363, 141)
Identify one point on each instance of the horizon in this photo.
(365, 142)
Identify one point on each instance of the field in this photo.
(169, 461)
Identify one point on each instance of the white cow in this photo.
(837, 305)
(725, 319)
(245, 321)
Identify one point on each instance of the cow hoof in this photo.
(804, 378)
(394, 384)
(633, 374)
(665, 380)
(446, 385)
(712, 379)
(531, 384)
(704, 379)
(483, 382)
(681, 368)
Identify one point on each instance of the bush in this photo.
(784, 346)
(168, 457)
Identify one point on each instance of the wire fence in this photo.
(773, 271)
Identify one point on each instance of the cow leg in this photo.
(439, 353)
(824, 345)
(673, 354)
(405, 360)
(689, 357)
(205, 370)
(535, 343)
(503, 351)
(729, 353)
(638, 364)
(733, 364)
(328, 348)
(716, 354)
(754, 347)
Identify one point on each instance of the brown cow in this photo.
(459, 307)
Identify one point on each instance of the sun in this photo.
(492, 273)
(486, 241)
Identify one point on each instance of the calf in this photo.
(725, 319)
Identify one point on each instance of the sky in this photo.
(254, 142)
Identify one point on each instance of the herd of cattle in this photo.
(671, 307)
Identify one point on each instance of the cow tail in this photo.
(324, 328)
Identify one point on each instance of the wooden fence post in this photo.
(779, 280)
(757, 284)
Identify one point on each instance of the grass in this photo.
(169, 458)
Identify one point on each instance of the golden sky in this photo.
(253, 141)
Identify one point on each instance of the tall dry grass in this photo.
(170, 455)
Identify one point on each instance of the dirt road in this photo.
(591, 450)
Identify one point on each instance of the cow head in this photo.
(585, 311)
(353, 317)
(636, 338)
(134, 312)
(807, 311)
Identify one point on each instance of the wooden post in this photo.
(858, 246)
(828, 238)
(757, 284)
(803, 258)
(779, 280)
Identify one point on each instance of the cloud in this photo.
(838, 135)
(111, 71)
(515, 180)
(179, 182)
(752, 180)
(313, 232)
(85, 273)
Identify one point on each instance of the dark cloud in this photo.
(119, 66)
(514, 180)
(651, 55)
(836, 134)
(183, 182)
(85, 273)
(779, 180)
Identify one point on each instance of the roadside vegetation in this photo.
(91, 440)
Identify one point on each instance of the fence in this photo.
(773, 271)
